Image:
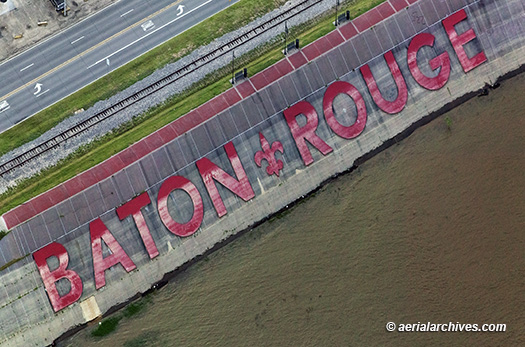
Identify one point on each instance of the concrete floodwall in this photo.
(307, 120)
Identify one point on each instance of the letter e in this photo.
(458, 41)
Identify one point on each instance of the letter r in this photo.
(307, 132)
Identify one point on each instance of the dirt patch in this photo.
(20, 18)
(430, 230)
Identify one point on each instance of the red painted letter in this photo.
(209, 171)
(347, 132)
(307, 132)
(441, 61)
(402, 94)
(169, 185)
(458, 41)
(133, 208)
(99, 232)
(51, 277)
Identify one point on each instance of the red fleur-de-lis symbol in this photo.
(268, 153)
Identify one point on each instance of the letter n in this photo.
(99, 232)
(51, 277)
(209, 172)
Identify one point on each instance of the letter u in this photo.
(399, 103)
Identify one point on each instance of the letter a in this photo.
(99, 232)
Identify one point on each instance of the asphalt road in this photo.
(65, 63)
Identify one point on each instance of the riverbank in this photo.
(428, 230)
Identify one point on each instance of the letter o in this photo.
(169, 185)
(347, 132)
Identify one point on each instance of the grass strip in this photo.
(214, 84)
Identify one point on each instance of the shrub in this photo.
(106, 327)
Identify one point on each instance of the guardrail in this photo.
(38, 150)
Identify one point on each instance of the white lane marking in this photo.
(27, 67)
(180, 9)
(75, 41)
(45, 91)
(150, 33)
(122, 15)
(38, 88)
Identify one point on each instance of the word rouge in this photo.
(241, 186)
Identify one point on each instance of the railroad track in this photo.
(79, 128)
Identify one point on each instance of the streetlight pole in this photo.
(233, 67)
(285, 37)
(336, 6)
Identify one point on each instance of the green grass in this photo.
(155, 118)
(107, 326)
(110, 324)
(136, 307)
(11, 262)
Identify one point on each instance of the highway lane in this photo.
(89, 50)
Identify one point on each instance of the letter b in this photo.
(51, 277)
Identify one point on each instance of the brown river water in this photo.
(429, 230)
